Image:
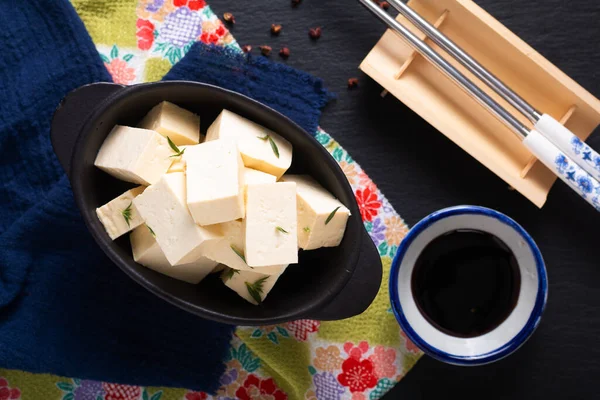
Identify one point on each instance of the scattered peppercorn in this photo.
(315, 33)
(296, 3)
(352, 83)
(384, 4)
(275, 29)
(229, 18)
(247, 48)
(284, 52)
(265, 50)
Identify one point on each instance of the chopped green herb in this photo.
(127, 214)
(256, 289)
(151, 231)
(331, 215)
(280, 229)
(227, 275)
(306, 229)
(272, 142)
(175, 148)
(239, 253)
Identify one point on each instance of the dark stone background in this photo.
(420, 171)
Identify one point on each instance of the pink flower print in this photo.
(358, 396)
(301, 328)
(383, 361)
(120, 72)
(144, 34)
(410, 346)
(7, 393)
(356, 351)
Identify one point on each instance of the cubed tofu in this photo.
(180, 125)
(250, 285)
(147, 252)
(230, 250)
(252, 176)
(315, 206)
(215, 191)
(178, 162)
(134, 155)
(271, 225)
(163, 207)
(260, 148)
(120, 215)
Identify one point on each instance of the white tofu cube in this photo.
(260, 148)
(271, 225)
(315, 206)
(230, 250)
(180, 125)
(134, 155)
(252, 286)
(178, 162)
(163, 207)
(120, 215)
(147, 252)
(252, 176)
(215, 191)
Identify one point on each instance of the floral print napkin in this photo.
(359, 358)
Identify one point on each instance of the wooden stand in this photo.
(418, 84)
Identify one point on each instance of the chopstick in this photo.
(545, 150)
(562, 137)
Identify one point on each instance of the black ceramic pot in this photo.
(327, 284)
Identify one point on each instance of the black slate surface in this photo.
(420, 171)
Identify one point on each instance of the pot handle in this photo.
(72, 113)
(360, 291)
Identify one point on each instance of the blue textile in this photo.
(64, 307)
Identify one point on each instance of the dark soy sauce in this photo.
(466, 282)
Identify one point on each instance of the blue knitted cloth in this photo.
(64, 307)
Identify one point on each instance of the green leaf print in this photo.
(76, 381)
(207, 12)
(338, 154)
(65, 387)
(145, 395)
(104, 59)
(312, 370)
(127, 57)
(69, 396)
(349, 159)
(157, 395)
(256, 334)
(383, 249)
(283, 332)
(393, 251)
(114, 52)
(369, 226)
(244, 356)
(187, 47)
(273, 337)
(323, 138)
(383, 386)
(160, 47)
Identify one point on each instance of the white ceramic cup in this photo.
(513, 331)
